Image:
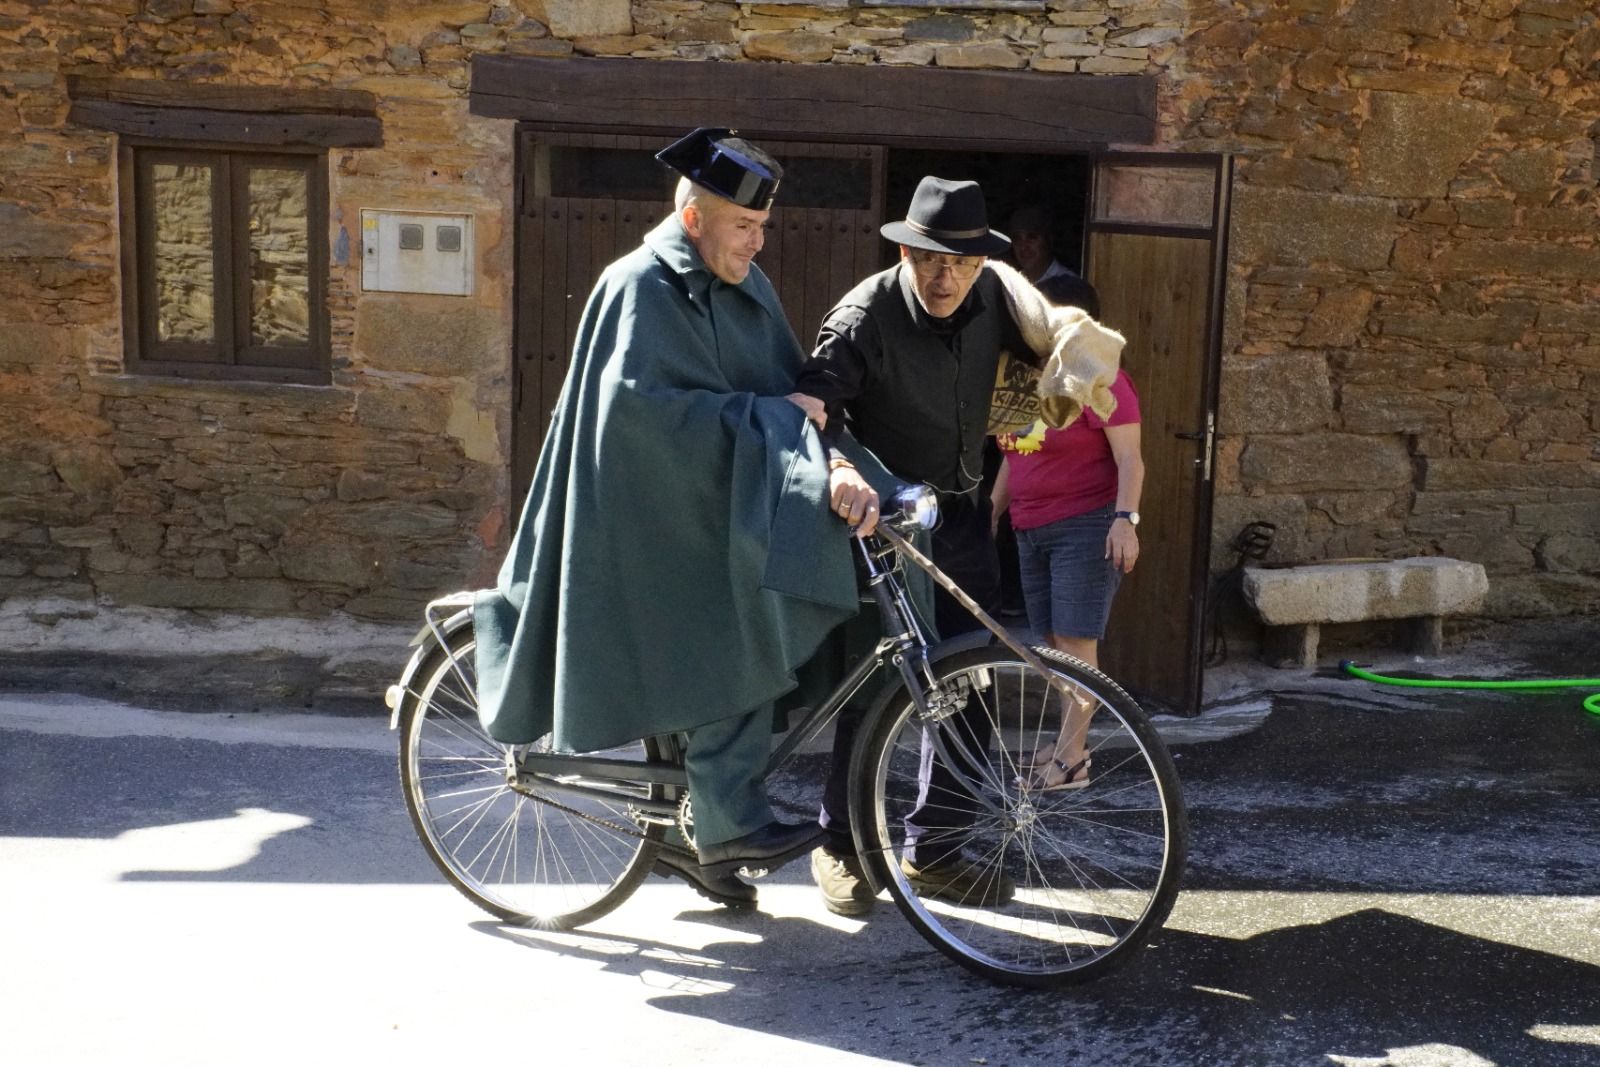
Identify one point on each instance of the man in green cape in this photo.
(681, 552)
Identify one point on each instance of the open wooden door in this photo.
(587, 199)
(1156, 236)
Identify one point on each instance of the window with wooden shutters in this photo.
(225, 263)
(224, 220)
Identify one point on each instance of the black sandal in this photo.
(1039, 779)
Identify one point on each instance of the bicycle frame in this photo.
(548, 769)
(904, 646)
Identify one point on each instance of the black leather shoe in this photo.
(722, 889)
(764, 850)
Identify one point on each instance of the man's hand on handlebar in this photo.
(853, 500)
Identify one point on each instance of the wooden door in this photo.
(588, 199)
(1154, 255)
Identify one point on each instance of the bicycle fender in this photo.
(424, 642)
(961, 643)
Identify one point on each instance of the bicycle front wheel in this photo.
(1026, 883)
(548, 857)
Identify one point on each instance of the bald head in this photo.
(726, 235)
(689, 193)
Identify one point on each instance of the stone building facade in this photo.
(1411, 341)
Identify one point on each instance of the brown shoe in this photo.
(961, 881)
(843, 883)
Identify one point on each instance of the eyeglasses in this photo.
(930, 264)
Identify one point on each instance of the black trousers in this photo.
(963, 549)
(1005, 538)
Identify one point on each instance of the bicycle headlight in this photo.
(920, 504)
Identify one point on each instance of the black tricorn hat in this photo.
(729, 166)
(947, 216)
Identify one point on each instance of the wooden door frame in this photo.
(908, 107)
(1221, 166)
(897, 107)
(1003, 112)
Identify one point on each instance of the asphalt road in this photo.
(1374, 880)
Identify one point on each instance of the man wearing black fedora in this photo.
(906, 363)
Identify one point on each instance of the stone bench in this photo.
(1294, 602)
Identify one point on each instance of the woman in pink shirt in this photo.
(1073, 495)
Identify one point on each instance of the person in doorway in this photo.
(1072, 496)
(661, 580)
(906, 364)
(1032, 249)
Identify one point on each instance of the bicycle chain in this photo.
(626, 831)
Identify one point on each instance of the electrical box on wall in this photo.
(416, 252)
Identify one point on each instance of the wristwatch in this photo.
(1131, 516)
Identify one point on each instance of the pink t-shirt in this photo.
(1056, 474)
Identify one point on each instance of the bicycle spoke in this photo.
(552, 857)
(1094, 866)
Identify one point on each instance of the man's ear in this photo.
(692, 219)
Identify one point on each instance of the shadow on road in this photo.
(1346, 990)
(1465, 798)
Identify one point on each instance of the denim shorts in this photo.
(1067, 581)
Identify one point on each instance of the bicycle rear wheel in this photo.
(1095, 869)
(545, 857)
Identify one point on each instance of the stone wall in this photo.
(1412, 356)
(1412, 359)
(367, 497)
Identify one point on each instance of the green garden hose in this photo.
(1591, 703)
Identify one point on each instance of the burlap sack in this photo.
(1081, 358)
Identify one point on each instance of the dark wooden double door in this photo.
(1151, 230)
(813, 253)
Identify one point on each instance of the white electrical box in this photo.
(416, 252)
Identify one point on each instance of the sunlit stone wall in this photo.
(1411, 357)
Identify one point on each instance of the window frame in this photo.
(229, 356)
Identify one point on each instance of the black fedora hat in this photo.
(729, 166)
(947, 216)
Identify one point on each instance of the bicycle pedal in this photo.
(752, 872)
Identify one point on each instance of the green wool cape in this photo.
(677, 559)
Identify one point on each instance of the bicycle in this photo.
(555, 840)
